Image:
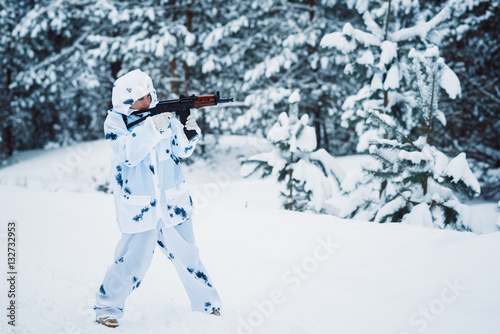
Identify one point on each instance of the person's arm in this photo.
(182, 147)
(130, 146)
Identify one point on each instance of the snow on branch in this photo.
(271, 66)
(330, 165)
(388, 53)
(363, 38)
(385, 122)
(372, 26)
(389, 209)
(338, 41)
(214, 37)
(461, 176)
(56, 57)
(421, 29)
(450, 83)
(448, 80)
(345, 41)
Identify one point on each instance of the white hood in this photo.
(131, 87)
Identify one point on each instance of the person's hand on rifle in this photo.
(162, 120)
(191, 124)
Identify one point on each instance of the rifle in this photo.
(181, 107)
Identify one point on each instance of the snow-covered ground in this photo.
(276, 271)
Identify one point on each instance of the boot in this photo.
(108, 322)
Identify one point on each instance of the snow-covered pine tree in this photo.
(11, 63)
(70, 54)
(156, 38)
(55, 84)
(310, 176)
(474, 116)
(262, 51)
(375, 55)
(422, 184)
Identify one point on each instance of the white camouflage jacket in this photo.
(147, 179)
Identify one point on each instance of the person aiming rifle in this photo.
(152, 201)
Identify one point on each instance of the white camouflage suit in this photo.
(152, 202)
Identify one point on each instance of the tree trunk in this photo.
(325, 136)
(431, 109)
(317, 127)
(387, 21)
(174, 84)
(428, 140)
(315, 112)
(187, 69)
(7, 133)
(383, 185)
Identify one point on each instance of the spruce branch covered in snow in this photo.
(420, 185)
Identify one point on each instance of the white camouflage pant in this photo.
(133, 256)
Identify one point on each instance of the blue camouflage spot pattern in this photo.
(176, 160)
(180, 211)
(119, 179)
(140, 216)
(111, 136)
